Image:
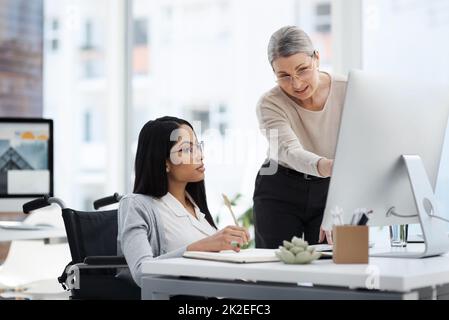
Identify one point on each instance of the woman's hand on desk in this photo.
(222, 240)
(325, 235)
(325, 167)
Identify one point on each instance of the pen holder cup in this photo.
(350, 244)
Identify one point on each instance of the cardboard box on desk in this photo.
(350, 244)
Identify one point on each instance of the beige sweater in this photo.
(304, 136)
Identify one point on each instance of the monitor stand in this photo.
(436, 241)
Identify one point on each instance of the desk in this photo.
(49, 215)
(382, 278)
(50, 235)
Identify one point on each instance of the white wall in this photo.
(409, 38)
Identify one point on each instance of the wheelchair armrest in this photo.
(103, 202)
(105, 260)
(74, 271)
(36, 204)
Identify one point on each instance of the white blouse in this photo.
(181, 227)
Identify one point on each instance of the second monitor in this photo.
(26, 161)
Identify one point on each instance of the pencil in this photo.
(228, 204)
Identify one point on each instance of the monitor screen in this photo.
(376, 131)
(26, 158)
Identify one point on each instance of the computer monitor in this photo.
(26, 161)
(385, 118)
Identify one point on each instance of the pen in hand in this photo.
(229, 204)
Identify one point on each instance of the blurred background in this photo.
(112, 65)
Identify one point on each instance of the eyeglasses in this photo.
(301, 75)
(191, 148)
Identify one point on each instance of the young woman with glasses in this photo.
(167, 214)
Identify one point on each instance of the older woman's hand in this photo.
(325, 167)
(324, 234)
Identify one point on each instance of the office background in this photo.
(111, 65)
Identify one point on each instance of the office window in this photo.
(323, 9)
(208, 64)
(202, 117)
(87, 126)
(222, 119)
(53, 34)
(315, 17)
(323, 17)
(92, 67)
(55, 25)
(54, 44)
(82, 97)
(92, 56)
(140, 32)
(88, 36)
(141, 47)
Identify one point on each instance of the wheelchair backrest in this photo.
(91, 233)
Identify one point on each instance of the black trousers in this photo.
(287, 204)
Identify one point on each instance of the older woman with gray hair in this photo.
(304, 111)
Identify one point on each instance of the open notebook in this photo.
(244, 256)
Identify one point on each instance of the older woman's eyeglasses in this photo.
(301, 75)
(190, 148)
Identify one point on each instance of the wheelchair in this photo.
(92, 238)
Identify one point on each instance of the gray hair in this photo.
(288, 41)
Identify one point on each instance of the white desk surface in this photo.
(399, 275)
(7, 235)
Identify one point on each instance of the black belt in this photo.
(294, 173)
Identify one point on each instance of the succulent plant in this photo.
(297, 251)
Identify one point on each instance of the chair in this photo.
(92, 238)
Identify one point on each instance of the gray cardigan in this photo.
(141, 235)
